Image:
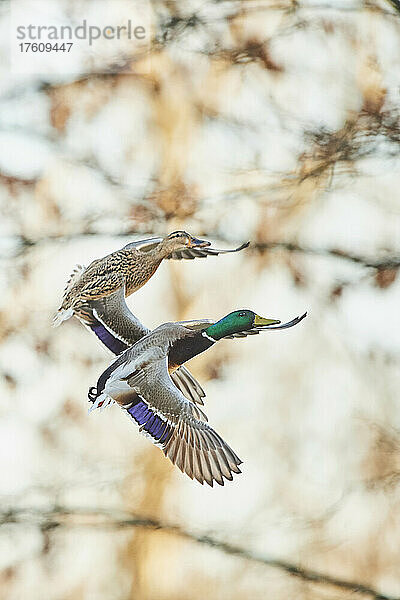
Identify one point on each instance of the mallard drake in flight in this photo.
(139, 381)
(118, 328)
(106, 282)
(131, 266)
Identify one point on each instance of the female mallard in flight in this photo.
(131, 266)
(139, 381)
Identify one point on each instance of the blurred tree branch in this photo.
(64, 517)
(23, 244)
(172, 26)
(323, 152)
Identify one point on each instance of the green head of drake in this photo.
(237, 321)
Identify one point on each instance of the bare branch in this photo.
(389, 262)
(64, 517)
(21, 244)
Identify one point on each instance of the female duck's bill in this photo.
(196, 243)
(191, 241)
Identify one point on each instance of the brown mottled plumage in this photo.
(104, 276)
(131, 266)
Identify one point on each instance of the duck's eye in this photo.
(242, 314)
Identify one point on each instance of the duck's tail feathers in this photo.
(73, 278)
(62, 315)
(97, 400)
(66, 313)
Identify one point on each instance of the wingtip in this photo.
(241, 247)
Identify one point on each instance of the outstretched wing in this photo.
(185, 253)
(116, 317)
(188, 385)
(118, 328)
(191, 253)
(172, 423)
(190, 444)
(112, 322)
(257, 330)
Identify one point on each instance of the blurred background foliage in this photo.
(275, 122)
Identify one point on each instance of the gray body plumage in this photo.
(115, 315)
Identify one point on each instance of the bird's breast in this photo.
(138, 272)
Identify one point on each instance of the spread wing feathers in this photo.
(63, 314)
(256, 330)
(170, 420)
(107, 337)
(188, 385)
(243, 334)
(109, 318)
(138, 378)
(197, 450)
(191, 253)
(192, 445)
(114, 324)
